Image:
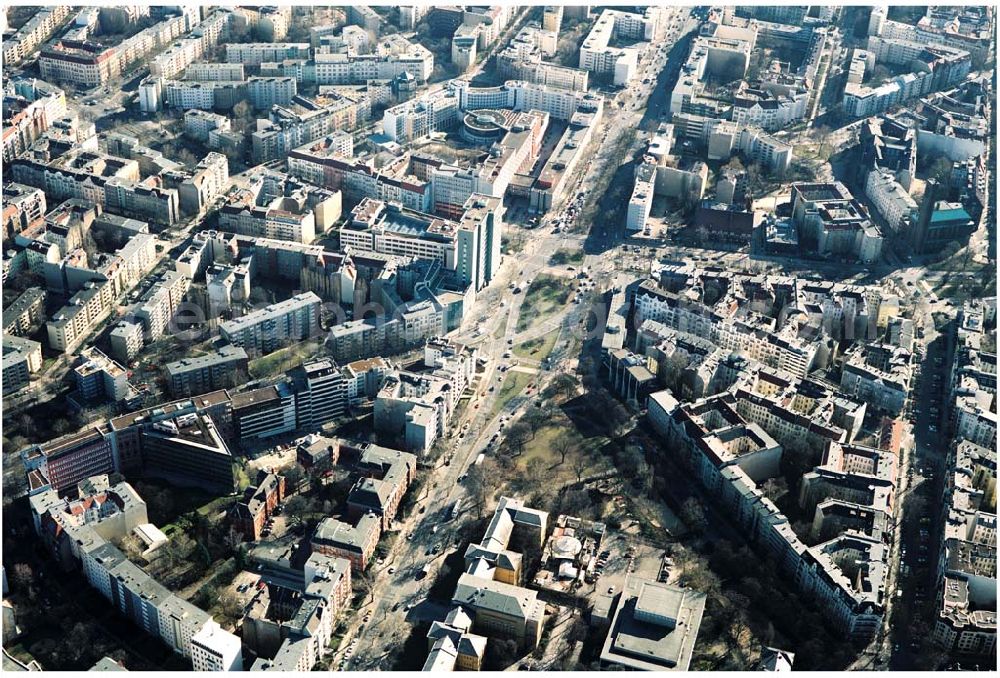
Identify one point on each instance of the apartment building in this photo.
(322, 164)
(264, 92)
(524, 59)
(965, 28)
(126, 341)
(966, 621)
(25, 312)
(21, 358)
(975, 416)
(258, 504)
(355, 543)
(411, 15)
(256, 53)
(877, 374)
(768, 107)
(328, 274)
(798, 413)
(641, 201)
(386, 475)
(287, 129)
(198, 124)
(181, 55)
(320, 390)
(620, 64)
(112, 510)
(469, 247)
(724, 138)
(84, 525)
(140, 200)
(268, 329)
(298, 217)
(157, 307)
(707, 434)
(209, 180)
(98, 377)
(23, 207)
(79, 62)
(941, 67)
(748, 336)
(69, 326)
(419, 117)
(364, 17)
(552, 16)
(412, 409)
(831, 219)
(222, 368)
(210, 72)
(213, 649)
(290, 629)
(408, 327)
(31, 106)
(891, 200)
(720, 51)
(36, 30)
(205, 96)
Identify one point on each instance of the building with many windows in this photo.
(21, 358)
(768, 107)
(846, 575)
(469, 247)
(878, 374)
(940, 67)
(355, 543)
(213, 649)
(891, 200)
(620, 64)
(222, 368)
(833, 221)
(268, 329)
(64, 462)
(320, 393)
(36, 30)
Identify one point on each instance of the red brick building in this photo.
(258, 504)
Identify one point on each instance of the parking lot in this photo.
(621, 556)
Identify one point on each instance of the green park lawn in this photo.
(513, 383)
(538, 348)
(546, 295)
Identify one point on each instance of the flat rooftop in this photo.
(654, 628)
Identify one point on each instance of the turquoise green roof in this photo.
(958, 214)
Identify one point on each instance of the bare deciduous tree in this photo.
(565, 443)
(482, 481)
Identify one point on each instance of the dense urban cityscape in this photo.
(542, 338)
